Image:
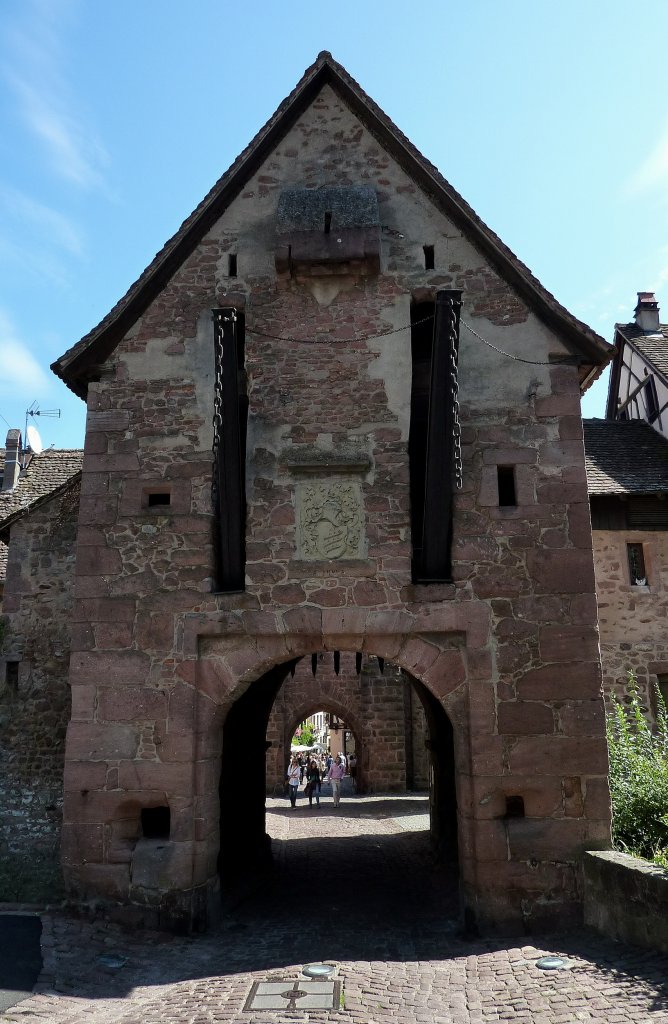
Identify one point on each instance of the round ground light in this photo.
(552, 963)
(319, 970)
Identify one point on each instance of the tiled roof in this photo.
(625, 457)
(45, 473)
(654, 347)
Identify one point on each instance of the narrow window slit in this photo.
(514, 807)
(428, 257)
(637, 570)
(506, 482)
(12, 675)
(328, 222)
(232, 264)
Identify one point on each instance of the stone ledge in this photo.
(626, 898)
(311, 459)
(302, 569)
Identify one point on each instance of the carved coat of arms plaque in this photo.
(330, 521)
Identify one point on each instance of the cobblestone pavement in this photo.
(355, 886)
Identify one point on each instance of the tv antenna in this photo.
(33, 442)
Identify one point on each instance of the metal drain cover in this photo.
(294, 995)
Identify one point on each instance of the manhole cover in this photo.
(552, 963)
(319, 971)
(294, 995)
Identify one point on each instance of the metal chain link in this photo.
(397, 330)
(508, 355)
(219, 319)
(456, 425)
(338, 341)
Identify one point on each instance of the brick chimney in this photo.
(12, 460)
(647, 313)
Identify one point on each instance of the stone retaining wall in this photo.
(626, 898)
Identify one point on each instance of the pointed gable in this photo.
(81, 363)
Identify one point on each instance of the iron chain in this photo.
(456, 425)
(219, 320)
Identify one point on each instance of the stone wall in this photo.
(632, 619)
(626, 898)
(34, 713)
(509, 648)
(389, 727)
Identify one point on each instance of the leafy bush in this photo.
(305, 735)
(639, 776)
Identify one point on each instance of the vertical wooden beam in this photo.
(437, 536)
(229, 459)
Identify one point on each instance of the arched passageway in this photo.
(379, 704)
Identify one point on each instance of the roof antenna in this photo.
(31, 440)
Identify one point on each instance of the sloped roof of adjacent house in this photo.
(80, 363)
(653, 346)
(625, 457)
(43, 476)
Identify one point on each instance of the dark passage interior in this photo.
(375, 842)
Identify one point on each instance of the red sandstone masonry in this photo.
(493, 647)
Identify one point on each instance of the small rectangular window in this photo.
(12, 675)
(232, 264)
(155, 822)
(662, 683)
(428, 257)
(637, 571)
(162, 498)
(506, 482)
(328, 222)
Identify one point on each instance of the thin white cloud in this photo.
(50, 225)
(20, 369)
(652, 173)
(34, 71)
(36, 241)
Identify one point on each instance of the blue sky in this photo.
(116, 118)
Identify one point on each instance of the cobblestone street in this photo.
(355, 886)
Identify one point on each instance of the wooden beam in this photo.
(229, 458)
(437, 535)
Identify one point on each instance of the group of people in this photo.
(317, 769)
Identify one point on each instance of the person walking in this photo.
(292, 775)
(352, 769)
(336, 773)
(313, 782)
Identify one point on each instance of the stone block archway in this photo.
(378, 706)
(245, 847)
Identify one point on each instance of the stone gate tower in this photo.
(335, 413)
